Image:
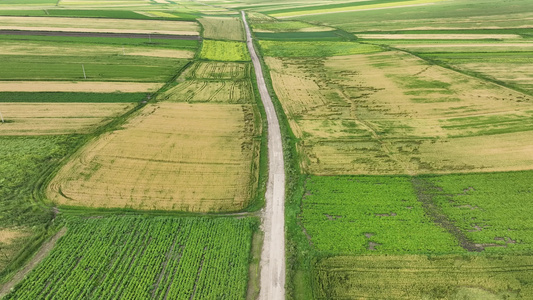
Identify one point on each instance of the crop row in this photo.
(145, 258)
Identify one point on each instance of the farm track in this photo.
(272, 284)
(100, 34)
(31, 264)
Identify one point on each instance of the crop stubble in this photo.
(392, 113)
(173, 156)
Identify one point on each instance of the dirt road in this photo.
(273, 253)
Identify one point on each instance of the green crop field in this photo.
(314, 49)
(224, 51)
(301, 36)
(364, 215)
(491, 209)
(61, 97)
(424, 277)
(210, 91)
(88, 42)
(145, 257)
(218, 70)
(24, 161)
(112, 68)
(223, 28)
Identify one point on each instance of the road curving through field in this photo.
(272, 285)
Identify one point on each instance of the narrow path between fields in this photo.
(32, 263)
(273, 254)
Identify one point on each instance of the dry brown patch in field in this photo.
(7, 236)
(220, 28)
(57, 118)
(99, 25)
(171, 156)
(390, 113)
(72, 86)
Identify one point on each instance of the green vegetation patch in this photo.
(145, 258)
(218, 70)
(97, 68)
(282, 26)
(314, 49)
(23, 161)
(334, 35)
(71, 97)
(370, 214)
(148, 42)
(330, 6)
(492, 209)
(424, 277)
(224, 51)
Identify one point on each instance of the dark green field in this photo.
(62, 97)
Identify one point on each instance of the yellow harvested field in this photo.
(31, 48)
(519, 74)
(99, 25)
(392, 113)
(7, 236)
(481, 45)
(104, 3)
(210, 91)
(438, 36)
(171, 156)
(69, 86)
(228, 28)
(311, 11)
(57, 118)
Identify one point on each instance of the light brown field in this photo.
(57, 118)
(468, 47)
(30, 48)
(99, 25)
(210, 91)
(11, 241)
(68, 86)
(392, 113)
(7, 236)
(172, 156)
(230, 28)
(518, 74)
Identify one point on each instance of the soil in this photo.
(39, 256)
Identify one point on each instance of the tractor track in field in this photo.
(272, 285)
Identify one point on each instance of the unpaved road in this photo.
(273, 254)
